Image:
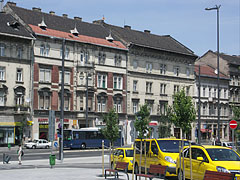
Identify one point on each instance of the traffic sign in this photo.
(55, 144)
(233, 124)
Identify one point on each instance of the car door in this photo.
(199, 167)
(186, 163)
(40, 144)
(120, 157)
(153, 155)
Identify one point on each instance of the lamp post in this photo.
(199, 105)
(62, 103)
(217, 7)
(87, 99)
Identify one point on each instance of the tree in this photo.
(141, 125)
(236, 116)
(111, 131)
(164, 129)
(182, 113)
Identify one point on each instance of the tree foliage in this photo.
(236, 112)
(164, 129)
(142, 121)
(182, 113)
(111, 131)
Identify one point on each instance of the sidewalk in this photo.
(88, 168)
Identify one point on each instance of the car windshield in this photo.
(223, 155)
(129, 153)
(171, 146)
(35, 141)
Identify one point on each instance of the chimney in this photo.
(99, 22)
(52, 12)
(36, 9)
(78, 18)
(147, 31)
(12, 3)
(127, 27)
(65, 15)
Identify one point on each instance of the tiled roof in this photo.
(80, 38)
(208, 71)
(6, 26)
(60, 23)
(165, 43)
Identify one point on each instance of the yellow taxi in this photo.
(123, 155)
(159, 151)
(208, 157)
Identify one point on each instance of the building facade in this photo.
(15, 80)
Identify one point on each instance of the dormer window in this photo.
(109, 38)
(42, 25)
(15, 25)
(74, 31)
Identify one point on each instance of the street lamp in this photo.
(217, 9)
(199, 105)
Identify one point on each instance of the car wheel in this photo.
(34, 147)
(180, 175)
(47, 147)
(136, 168)
(83, 146)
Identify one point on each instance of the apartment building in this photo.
(94, 63)
(209, 102)
(15, 80)
(157, 67)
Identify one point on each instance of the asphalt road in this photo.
(36, 154)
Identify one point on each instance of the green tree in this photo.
(111, 131)
(23, 126)
(182, 112)
(141, 125)
(164, 129)
(236, 116)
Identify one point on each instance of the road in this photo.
(37, 154)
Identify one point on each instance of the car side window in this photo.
(186, 153)
(138, 147)
(116, 152)
(154, 147)
(121, 152)
(200, 153)
(40, 142)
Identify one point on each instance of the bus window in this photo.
(76, 135)
(82, 135)
(67, 135)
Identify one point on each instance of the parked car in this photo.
(159, 151)
(123, 155)
(228, 144)
(38, 143)
(208, 157)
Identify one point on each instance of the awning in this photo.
(206, 130)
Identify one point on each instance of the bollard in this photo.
(52, 160)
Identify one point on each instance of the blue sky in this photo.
(184, 20)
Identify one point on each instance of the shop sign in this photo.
(65, 120)
(43, 126)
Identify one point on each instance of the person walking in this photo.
(20, 153)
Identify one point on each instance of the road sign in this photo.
(55, 144)
(233, 124)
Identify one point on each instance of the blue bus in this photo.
(87, 138)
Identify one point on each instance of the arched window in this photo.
(44, 98)
(19, 95)
(101, 102)
(3, 95)
(117, 103)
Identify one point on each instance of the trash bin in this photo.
(52, 159)
(9, 146)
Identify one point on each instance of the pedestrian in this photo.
(20, 154)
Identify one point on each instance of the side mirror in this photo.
(121, 156)
(200, 158)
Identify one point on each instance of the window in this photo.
(19, 75)
(204, 91)
(19, 52)
(45, 75)
(66, 102)
(188, 90)
(66, 77)
(135, 64)
(188, 71)
(215, 92)
(135, 86)
(2, 97)
(149, 67)
(176, 71)
(82, 57)
(225, 111)
(163, 88)
(102, 81)
(101, 104)
(210, 92)
(176, 89)
(163, 107)
(163, 68)
(19, 95)
(117, 82)
(117, 104)
(150, 105)
(44, 100)
(2, 73)
(86, 57)
(225, 93)
(210, 109)
(148, 87)
(204, 109)
(66, 53)
(101, 58)
(117, 60)
(135, 106)
(44, 50)
(81, 101)
(2, 49)
(47, 49)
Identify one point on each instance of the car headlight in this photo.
(169, 159)
(222, 169)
